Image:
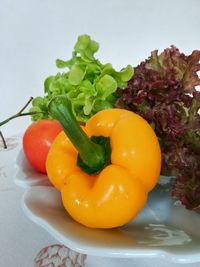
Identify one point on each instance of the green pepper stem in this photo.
(92, 154)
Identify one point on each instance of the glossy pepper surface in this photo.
(114, 193)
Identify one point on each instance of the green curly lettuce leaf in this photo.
(90, 85)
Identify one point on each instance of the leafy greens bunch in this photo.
(89, 84)
(163, 91)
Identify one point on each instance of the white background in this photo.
(34, 33)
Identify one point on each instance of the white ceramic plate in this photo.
(25, 175)
(163, 229)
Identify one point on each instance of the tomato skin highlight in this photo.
(37, 141)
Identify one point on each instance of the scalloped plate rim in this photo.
(138, 253)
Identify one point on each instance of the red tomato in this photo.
(37, 140)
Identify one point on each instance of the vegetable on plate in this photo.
(105, 169)
(163, 91)
(90, 85)
(37, 140)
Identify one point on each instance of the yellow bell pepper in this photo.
(105, 169)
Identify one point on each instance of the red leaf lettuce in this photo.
(163, 91)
